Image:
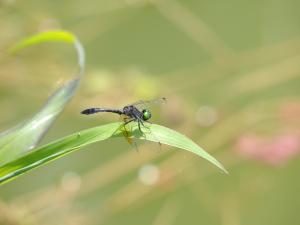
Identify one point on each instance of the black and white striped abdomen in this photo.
(97, 110)
(90, 111)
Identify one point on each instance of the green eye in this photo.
(146, 114)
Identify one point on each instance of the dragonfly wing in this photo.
(147, 102)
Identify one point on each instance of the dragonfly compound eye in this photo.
(146, 114)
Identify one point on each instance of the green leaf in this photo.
(26, 135)
(78, 140)
(48, 36)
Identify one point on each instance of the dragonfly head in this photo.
(146, 114)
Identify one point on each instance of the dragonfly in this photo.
(131, 112)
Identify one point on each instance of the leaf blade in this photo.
(47, 36)
(78, 140)
(176, 139)
(26, 135)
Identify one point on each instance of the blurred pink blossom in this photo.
(274, 151)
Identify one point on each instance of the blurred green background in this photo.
(231, 73)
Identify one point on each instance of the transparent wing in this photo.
(141, 103)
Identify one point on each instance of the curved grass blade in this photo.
(61, 147)
(25, 136)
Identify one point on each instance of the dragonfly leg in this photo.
(124, 125)
(142, 122)
(129, 121)
(139, 124)
(130, 140)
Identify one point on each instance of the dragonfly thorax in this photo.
(133, 112)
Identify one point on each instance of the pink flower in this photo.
(274, 151)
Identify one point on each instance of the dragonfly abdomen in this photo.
(97, 110)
